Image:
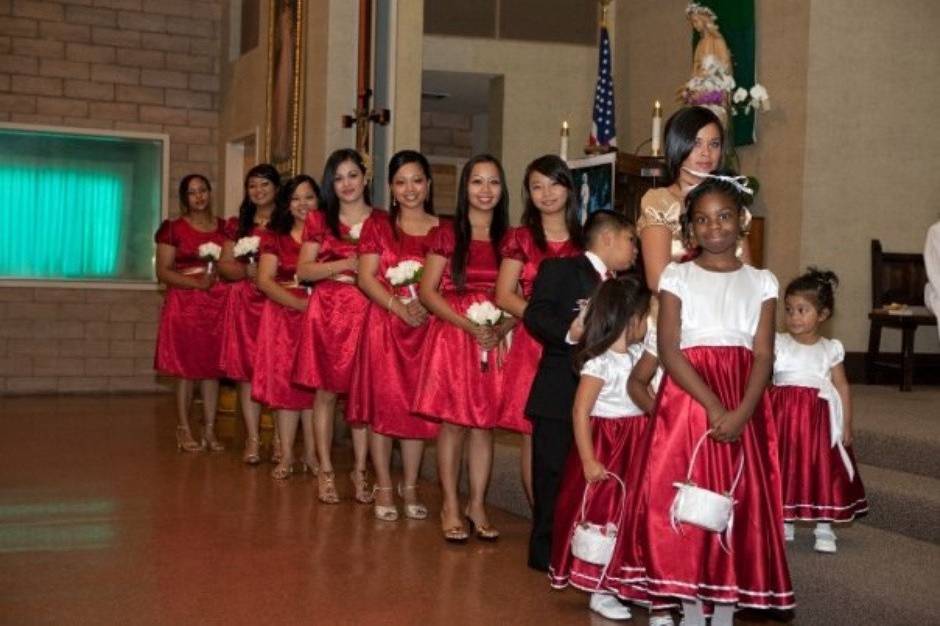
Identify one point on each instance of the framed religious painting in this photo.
(594, 178)
(285, 85)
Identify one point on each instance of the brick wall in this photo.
(140, 65)
(447, 134)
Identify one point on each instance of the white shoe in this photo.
(788, 531)
(609, 606)
(661, 620)
(825, 540)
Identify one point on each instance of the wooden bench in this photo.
(896, 278)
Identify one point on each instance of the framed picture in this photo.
(285, 85)
(594, 182)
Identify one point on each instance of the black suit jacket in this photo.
(559, 285)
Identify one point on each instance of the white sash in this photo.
(827, 392)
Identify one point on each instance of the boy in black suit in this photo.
(553, 317)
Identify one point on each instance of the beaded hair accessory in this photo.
(739, 182)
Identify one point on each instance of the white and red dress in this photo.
(525, 352)
(385, 374)
(278, 330)
(656, 563)
(617, 427)
(336, 312)
(819, 475)
(453, 386)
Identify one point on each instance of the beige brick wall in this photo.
(141, 65)
(447, 134)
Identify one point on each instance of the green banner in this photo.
(736, 23)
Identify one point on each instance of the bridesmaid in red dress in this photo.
(550, 228)
(455, 386)
(281, 318)
(386, 371)
(245, 301)
(336, 311)
(188, 339)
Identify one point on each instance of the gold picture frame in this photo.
(285, 93)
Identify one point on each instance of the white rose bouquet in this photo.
(485, 313)
(406, 274)
(247, 248)
(354, 232)
(210, 252)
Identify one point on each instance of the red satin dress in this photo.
(525, 352)
(386, 371)
(278, 330)
(452, 385)
(821, 482)
(240, 319)
(189, 335)
(336, 312)
(657, 562)
(617, 428)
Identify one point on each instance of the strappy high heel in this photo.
(416, 510)
(326, 488)
(382, 512)
(484, 532)
(252, 454)
(360, 481)
(282, 471)
(185, 441)
(209, 441)
(454, 534)
(311, 467)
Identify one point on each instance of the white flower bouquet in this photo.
(485, 313)
(354, 232)
(716, 89)
(210, 252)
(247, 248)
(406, 274)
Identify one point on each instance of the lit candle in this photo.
(655, 144)
(563, 151)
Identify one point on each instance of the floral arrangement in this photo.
(247, 248)
(210, 252)
(485, 313)
(354, 233)
(716, 89)
(406, 274)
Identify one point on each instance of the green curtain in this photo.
(737, 24)
(59, 218)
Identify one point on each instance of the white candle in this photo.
(563, 151)
(655, 142)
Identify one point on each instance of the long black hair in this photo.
(398, 160)
(248, 209)
(615, 303)
(681, 130)
(184, 189)
(328, 192)
(463, 231)
(817, 283)
(556, 169)
(714, 184)
(282, 220)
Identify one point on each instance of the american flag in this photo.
(603, 129)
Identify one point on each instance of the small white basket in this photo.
(704, 508)
(594, 543)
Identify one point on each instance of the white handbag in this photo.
(704, 508)
(594, 543)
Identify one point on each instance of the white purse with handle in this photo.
(704, 508)
(594, 543)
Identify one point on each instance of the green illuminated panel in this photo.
(78, 207)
